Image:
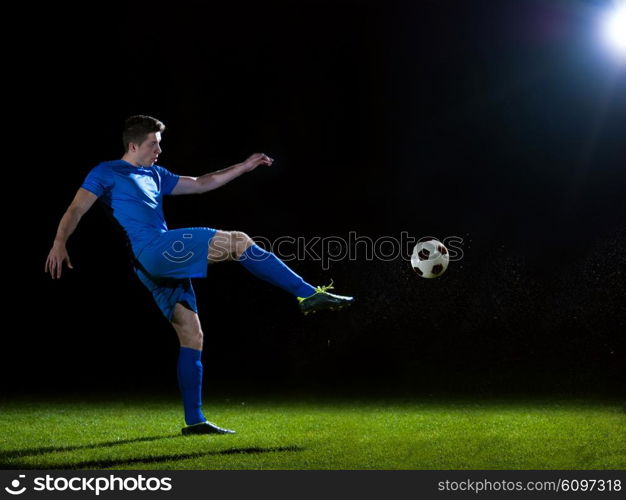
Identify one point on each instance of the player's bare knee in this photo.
(195, 340)
(241, 242)
(187, 327)
(228, 245)
(189, 336)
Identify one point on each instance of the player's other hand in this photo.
(54, 263)
(257, 159)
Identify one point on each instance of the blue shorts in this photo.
(167, 264)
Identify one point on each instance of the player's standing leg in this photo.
(187, 326)
(235, 245)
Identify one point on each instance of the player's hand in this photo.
(54, 263)
(257, 159)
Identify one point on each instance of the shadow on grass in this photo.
(103, 464)
(30, 452)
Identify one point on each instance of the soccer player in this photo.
(132, 190)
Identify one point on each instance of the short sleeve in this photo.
(168, 179)
(98, 180)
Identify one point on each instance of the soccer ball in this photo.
(430, 258)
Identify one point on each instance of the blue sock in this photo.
(190, 384)
(268, 267)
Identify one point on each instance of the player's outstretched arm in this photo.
(209, 182)
(58, 253)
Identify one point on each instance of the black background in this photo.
(500, 122)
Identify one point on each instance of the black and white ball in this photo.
(430, 258)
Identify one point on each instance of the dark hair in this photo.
(137, 128)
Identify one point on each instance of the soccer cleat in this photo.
(205, 428)
(321, 300)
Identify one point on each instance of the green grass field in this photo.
(131, 433)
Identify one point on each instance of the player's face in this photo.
(149, 150)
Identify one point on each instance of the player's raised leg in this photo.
(187, 326)
(236, 245)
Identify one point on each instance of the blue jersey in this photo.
(135, 197)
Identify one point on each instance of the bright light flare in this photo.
(615, 29)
